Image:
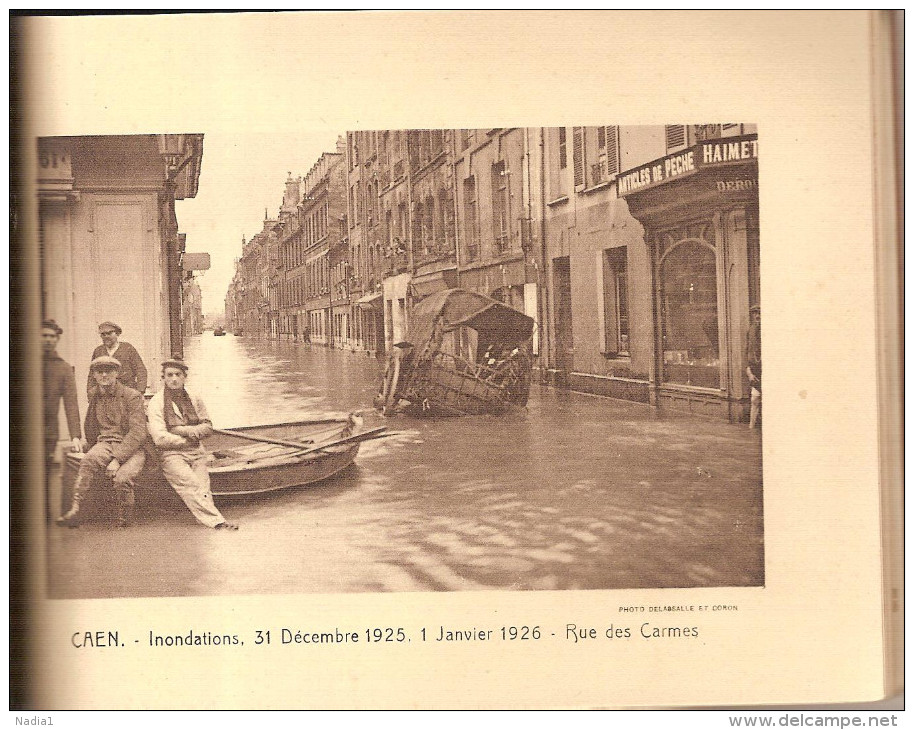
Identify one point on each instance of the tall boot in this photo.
(80, 487)
(71, 518)
(125, 510)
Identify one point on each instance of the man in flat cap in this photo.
(133, 372)
(754, 364)
(178, 422)
(115, 432)
(58, 383)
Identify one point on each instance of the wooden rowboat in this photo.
(241, 465)
(260, 459)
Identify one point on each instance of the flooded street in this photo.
(575, 492)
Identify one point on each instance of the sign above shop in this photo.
(687, 162)
(195, 261)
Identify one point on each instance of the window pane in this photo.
(688, 299)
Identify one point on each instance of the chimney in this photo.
(293, 194)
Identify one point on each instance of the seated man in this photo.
(115, 430)
(178, 421)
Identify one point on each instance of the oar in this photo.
(278, 442)
(304, 449)
(374, 433)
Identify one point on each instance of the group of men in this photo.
(120, 432)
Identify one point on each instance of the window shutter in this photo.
(612, 151)
(601, 301)
(577, 141)
(675, 136)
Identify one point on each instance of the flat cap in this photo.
(103, 362)
(174, 362)
(50, 324)
(109, 326)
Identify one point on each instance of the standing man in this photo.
(178, 422)
(754, 363)
(58, 383)
(133, 372)
(115, 432)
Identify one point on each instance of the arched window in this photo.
(688, 303)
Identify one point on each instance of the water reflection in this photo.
(575, 492)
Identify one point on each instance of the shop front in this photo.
(699, 209)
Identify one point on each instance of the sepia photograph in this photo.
(460, 359)
(329, 394)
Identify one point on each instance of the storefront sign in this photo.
(725, 151)
(687, 162)
(726, 186)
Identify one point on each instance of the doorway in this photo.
(564, 338)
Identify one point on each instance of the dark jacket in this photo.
(133, 421)
(133, 372)
(58, 382)
(754, 349)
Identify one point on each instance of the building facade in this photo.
(651, 262)
(635, 249)
(109, 242)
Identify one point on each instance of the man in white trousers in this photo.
(178, 422)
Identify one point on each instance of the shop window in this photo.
(688, 302)
(501, 216)
(615, 313)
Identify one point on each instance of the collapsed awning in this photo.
(432, 283)
(369, 301)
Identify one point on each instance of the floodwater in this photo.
(575, 492)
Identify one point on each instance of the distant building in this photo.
(634, 248)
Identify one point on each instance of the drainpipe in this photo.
(410, 258)
(545, 340)
(456, 218)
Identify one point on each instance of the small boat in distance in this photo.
(219, 332)
(260, 459)
(464, 354)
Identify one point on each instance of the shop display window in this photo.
(688, 302)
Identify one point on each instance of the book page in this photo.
(798, 618)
